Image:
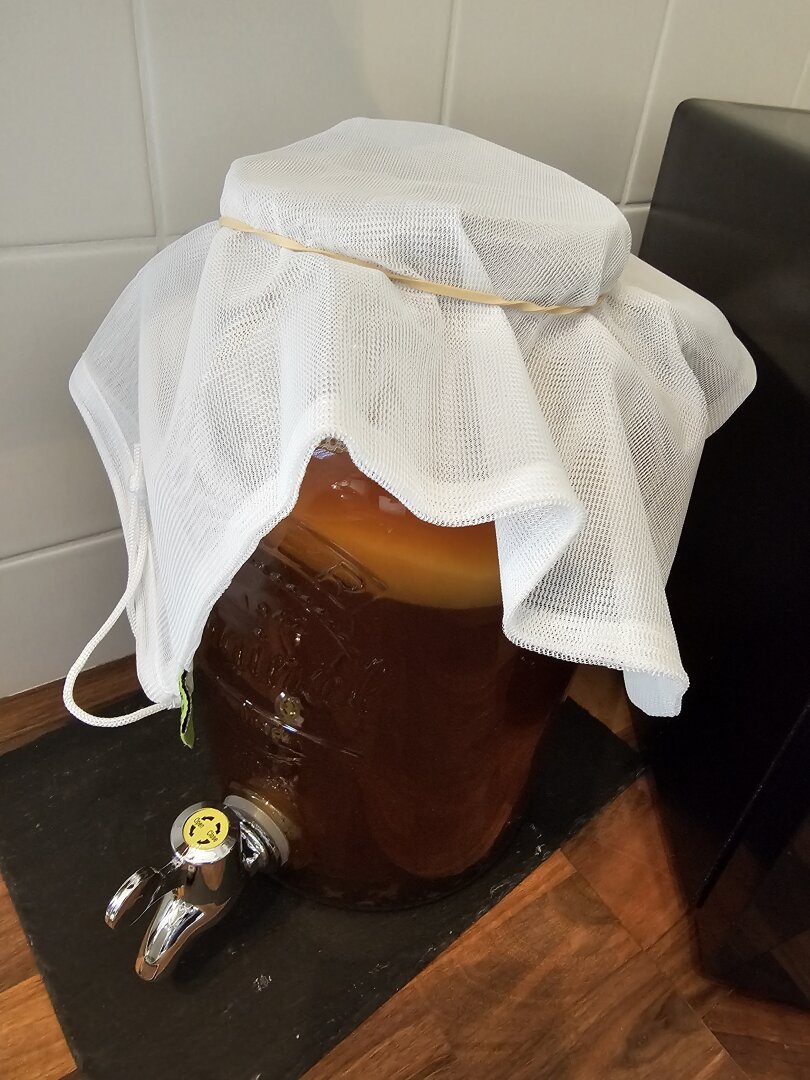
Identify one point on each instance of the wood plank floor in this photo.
(586, 971)
(28, 715)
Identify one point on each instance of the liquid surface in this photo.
(417, 562)
(356, 678)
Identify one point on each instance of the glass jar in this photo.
(355, 681)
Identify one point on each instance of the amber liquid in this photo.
(355, 677)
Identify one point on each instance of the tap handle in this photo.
(141, 890)
(215, 847)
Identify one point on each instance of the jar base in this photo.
(379, 903)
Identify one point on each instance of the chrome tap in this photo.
(214, 849)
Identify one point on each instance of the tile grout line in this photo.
(73, 245)
(794, 101)
(64, 545)
(647, 106)
(450, 53)
(148, 128)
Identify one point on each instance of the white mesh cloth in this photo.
(229, 359)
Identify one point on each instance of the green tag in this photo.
(186, 714)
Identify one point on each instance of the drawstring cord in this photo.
(137, 542)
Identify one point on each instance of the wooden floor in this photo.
(585, 971)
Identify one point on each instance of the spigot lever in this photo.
(215, 848)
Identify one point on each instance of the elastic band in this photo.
(137, 541)
(420, 284)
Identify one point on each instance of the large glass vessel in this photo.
(357, 685)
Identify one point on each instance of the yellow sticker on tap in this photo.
(205, 828)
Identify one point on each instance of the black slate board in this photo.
(265, 994)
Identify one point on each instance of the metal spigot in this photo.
(214, 849)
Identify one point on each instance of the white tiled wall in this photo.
(118, 119)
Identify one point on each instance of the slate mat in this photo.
(267, 992)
